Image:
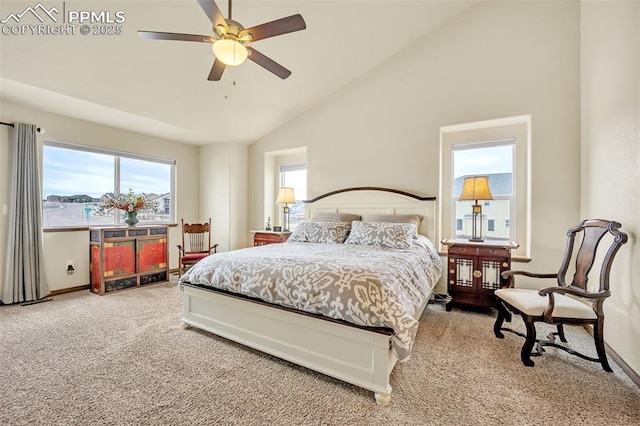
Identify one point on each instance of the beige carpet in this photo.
(123, 359)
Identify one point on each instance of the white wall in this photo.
(62, 246)
(223, 193)
(610, 70)
(498, 59)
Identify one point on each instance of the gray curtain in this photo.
(24, 279)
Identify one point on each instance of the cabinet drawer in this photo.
(464, 250)
(497, 252)
(261, 239)
(480, 251)
(269, 238)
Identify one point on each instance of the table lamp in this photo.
(476, 188)
(286, 197)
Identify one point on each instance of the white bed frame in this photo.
(353, 354)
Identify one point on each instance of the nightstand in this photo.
(261, 238)
(474, 270)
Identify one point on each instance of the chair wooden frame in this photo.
(593, 231)
(196, 246)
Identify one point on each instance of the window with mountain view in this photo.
(75, 177)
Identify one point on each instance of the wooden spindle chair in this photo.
(196, 244)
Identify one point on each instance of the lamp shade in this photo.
(476, 188)
(286, 196)
(230, 52)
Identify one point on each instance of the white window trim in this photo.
(518, 127)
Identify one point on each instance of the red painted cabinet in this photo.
(129, 257)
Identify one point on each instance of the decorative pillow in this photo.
(320, 232)
(335, 217)
(395, 218)
(383, 234)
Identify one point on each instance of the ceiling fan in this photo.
(230, 40)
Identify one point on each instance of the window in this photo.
(75, 177)
(495, 160)
(294, 175)
(499, 149)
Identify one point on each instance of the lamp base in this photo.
(476, 240)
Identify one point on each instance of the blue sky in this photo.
(70, 172)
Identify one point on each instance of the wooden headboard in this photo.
(374, 200)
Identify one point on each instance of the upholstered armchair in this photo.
(566, 302)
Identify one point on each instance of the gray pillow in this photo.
(382, 234)
(335, 217)
(320, 232)
(393, 218)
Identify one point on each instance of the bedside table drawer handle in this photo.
(477, 274)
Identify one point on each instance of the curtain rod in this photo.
(39, 130)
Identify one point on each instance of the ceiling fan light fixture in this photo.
(230, 52)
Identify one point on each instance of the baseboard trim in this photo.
(626, 368)
(87, 286)
(69, 290)
(635, 377)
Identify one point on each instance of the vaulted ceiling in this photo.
(161, 88)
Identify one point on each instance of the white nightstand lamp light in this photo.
(286, 197)
(476, 188)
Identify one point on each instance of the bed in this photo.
(341, 297)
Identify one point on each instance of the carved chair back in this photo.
(592, 232)
(196, 237)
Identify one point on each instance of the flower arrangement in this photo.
(130, 203)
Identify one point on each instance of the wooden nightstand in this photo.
(261, 238)
(473, 270)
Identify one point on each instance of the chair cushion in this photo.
(194, 257)
(530, 302)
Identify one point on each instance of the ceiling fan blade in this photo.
(268, 63)
(157, 35)
(279, 26)
(216, 71)
(213, 12)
